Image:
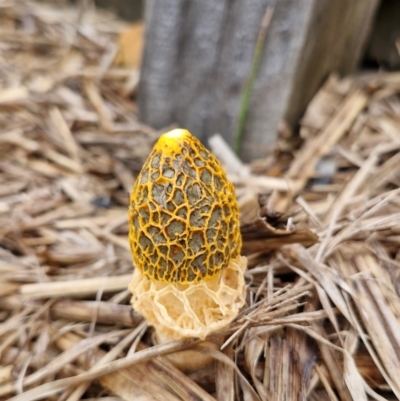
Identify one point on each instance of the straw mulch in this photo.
(323, 315)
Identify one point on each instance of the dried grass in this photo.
(323, 318)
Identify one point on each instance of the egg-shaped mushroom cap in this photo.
(183, 213)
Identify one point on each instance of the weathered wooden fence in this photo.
(201, 55)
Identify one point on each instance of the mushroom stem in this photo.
(191, 310)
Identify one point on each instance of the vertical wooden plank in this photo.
(211, 65)
(233, 70)
(163, 20)
(343, 27)
(271, 92)
(195, 82)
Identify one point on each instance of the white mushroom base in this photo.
(180, 311)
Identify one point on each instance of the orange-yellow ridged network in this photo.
(184, 218)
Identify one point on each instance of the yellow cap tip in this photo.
(176, 133)
(171, 139)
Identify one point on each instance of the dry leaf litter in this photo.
(320, 221)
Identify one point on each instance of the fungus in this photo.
(185, 240)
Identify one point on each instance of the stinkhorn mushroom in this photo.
(185, 240)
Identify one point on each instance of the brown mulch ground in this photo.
(322, 320)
